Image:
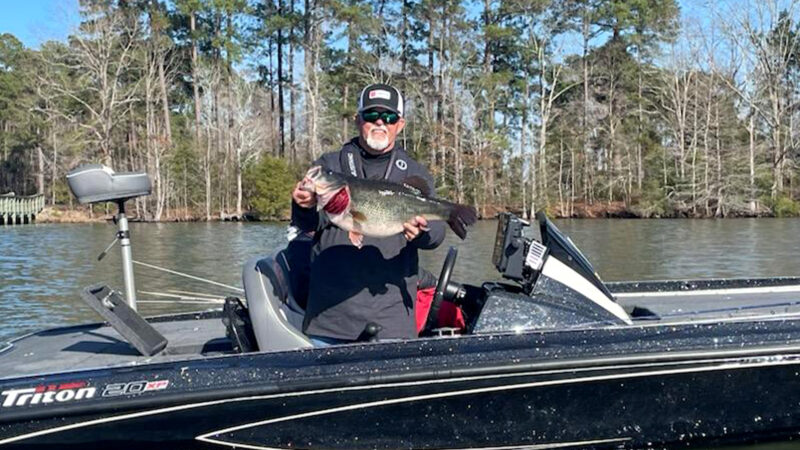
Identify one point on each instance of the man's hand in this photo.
(303, 198)
(414, 227)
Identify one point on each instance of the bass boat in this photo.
(551, 358)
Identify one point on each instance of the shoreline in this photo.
(81, 214)
(616, 210)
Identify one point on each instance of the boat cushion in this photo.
(94, 183)
(276, 317)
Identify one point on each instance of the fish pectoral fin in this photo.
(356, 238)
(358, 216)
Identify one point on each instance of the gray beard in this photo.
(377, 144)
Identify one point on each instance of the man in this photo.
(352, 288)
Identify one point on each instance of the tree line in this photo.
(574, 106)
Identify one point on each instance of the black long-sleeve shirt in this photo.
(351, 287)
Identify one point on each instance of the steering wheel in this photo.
(441, 287)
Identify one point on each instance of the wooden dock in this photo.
(20, 210)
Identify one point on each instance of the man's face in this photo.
(378, 133)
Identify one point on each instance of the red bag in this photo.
(450, 315)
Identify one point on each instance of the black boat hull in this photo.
(618, 387)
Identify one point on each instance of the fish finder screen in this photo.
(500, 240)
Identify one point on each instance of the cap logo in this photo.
(380, 93)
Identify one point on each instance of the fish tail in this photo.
(461, 216)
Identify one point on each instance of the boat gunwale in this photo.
(697, 284)
(575, 362)
(643, 323)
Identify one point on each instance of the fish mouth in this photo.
(310, 180)
(314, 172)
(321, 181)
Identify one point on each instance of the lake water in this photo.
(44, 267)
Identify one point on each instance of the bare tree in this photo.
(99, 57)
(765, 40)
(250, 133)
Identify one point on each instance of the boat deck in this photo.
(203, 334)
(98, 345)
(701, 300)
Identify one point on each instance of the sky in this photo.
(37, 21)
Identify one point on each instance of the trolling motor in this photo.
(96, 183)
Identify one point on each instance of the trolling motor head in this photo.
(96, 183)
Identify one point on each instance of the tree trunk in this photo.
(459, 169)
(239, 183)
(159, 55)
(345, 120)
(40, 172)
(751, 129)
(281, 112)
(404, 37)
(54, 166)
(292, 124)
(561, 176)
(706, 152)
(207, 171)
(640, 132)
(588, 191)
(523, 151)
(310, 77)
(195, 82)
(693, 144)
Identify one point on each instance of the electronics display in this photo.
(518, 258)
(510, 247)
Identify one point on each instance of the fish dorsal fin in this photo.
(418, 185)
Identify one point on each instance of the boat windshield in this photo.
(562, 247)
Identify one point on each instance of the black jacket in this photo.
(352, 287)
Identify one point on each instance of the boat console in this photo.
(557, 286)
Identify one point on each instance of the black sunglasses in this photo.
(386, 116)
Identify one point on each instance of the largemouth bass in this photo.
(380, 208)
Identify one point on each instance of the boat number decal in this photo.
(79, 390)
(134, 387)
(47, 393)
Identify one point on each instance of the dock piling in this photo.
(16, 210)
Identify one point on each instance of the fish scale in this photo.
(387, 207)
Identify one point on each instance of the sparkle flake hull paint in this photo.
(704, 384)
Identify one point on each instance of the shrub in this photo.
(652, 202)
(783, 206)
(269, 185)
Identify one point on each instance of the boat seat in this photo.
(276, 316)
(95, 183)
